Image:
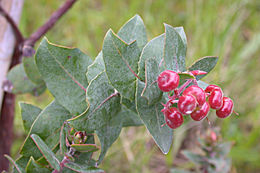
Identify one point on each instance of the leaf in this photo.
(38, 90)
(63, 70)
(18, 82)
(46, 152)
(128, 114)
(121, 61)
(63, 138)
(96, 67)
(29, 114)
(220, 165)
(128, 117)
(153, 49)
(153, 118)
(204, 64)
(128, 104)
(132, 30)
(174, 50)
(21, 162)
(31, 70)
(151, 91)
(33, 167)
(85, 147)
(184, 77)
(100, 109)
(83, 168)
(202, 84)
(85, 157)
(182, 34)
(223, 149)
(195, 158)
(107, 136)
(47, 125)
(17, 167)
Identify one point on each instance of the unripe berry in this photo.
(226, 109)
(216, 99)
(168, 80)
(187, 104)
(197, 92)
(201, 112)
(173, 118)
(80, 137)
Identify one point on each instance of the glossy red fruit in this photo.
(216, 99)
(210, 88)
(187, 104)
(197, 92)
(168, 80)
(201, 112)
(226, 109)
(173, 118)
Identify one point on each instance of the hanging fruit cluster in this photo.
(193, 101)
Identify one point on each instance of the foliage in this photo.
(209, 155)
(99, 97)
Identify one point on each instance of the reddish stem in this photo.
(163, 124)
(180, 90)
(235, 113)
(103, 102)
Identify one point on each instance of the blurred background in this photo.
(229, 29)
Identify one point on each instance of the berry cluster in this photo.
(194, 101)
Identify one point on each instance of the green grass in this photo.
(229, 29)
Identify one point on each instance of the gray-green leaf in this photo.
(96, 67)
(46, 151)
(17, 167)
(99, 112)
(32, 71)
(134, 29)
(153, 49)
(121, 62)
(47, 126)
(153, 119)
(64, 72)
(33, 167)
(174, 50)
(151, 91)
(29, 114)
(107, 135)
(18, 82)
(204, 64)
(181, 32)
(83, 168)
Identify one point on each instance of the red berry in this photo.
(168, 80)
(197, 92)
(173, 118)
(226, 109)
(187, 104)
(216, 99)
(210, 88)
(200, 113)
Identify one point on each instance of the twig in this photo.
(104, 101)
(65, 160)
(50, 23)
(116, 93)
(17, 32)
